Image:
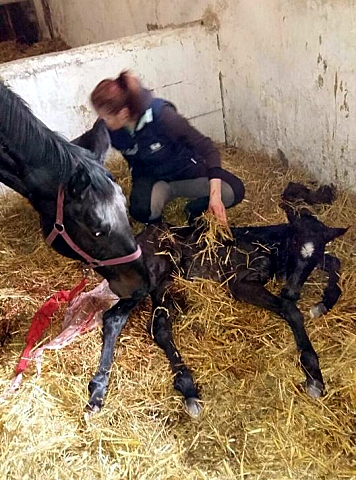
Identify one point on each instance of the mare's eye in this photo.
(99, 234)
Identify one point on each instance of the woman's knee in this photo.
(237, 192)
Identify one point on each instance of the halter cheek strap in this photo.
(59, 229)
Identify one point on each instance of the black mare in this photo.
(38, 164)
(288, 251)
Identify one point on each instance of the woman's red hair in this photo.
(113, 95)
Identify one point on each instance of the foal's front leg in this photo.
(113, 322)
(330, 265)
(256, 294)
(160, 327)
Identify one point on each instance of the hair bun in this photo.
(122, 80)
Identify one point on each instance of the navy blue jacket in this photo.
(150, 151)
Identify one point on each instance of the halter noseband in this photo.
(59, 229)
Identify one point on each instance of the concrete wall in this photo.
(288, 71)
(80, 22)
(287, 68)
(57, 86)
(289, 80)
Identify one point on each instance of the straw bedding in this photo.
(12, 50)
(256, 423)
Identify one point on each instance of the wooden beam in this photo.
(9, 22)
(6, 2)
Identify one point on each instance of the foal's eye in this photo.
(99, 234)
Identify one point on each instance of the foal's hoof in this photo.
(90, 411)
(317, 310)
(91, 408)
(193, 407)
(314, 388)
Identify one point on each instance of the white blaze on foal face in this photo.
(307, 250)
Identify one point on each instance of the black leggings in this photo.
(149, 196)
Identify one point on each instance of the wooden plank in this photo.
(6, 2)
(9, 22)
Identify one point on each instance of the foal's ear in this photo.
(290, 212)
(79, 182)
(294, 216)
(333, 233)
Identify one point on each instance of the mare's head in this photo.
(38, 163)
(306, 249)
(95, 218)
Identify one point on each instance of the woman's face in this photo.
(115, 121)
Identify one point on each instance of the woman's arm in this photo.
(180, 130)
(216, 206)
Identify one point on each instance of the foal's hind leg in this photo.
(113, 322)
(160, 327)
(256, 294)
(331, 265)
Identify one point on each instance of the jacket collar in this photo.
(147, 117)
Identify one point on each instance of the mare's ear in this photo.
(79, 182)
(97, 140)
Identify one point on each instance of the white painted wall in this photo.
(289, 80)
(179, 64)
(288, 70)
(80, 22)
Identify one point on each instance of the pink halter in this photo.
(59, 229)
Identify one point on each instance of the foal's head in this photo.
(305, 249)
